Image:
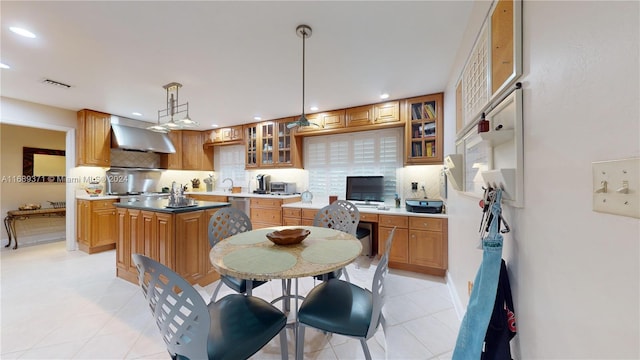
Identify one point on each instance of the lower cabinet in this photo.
(267, 212)
(96, 225)
(179, 241)
(298, 216)
(419, 244)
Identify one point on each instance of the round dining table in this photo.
(251, 255)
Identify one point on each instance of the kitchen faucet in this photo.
(230, 187)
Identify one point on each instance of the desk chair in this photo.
(340, 307)
(224, 223)
(340, 215)
(234, 327)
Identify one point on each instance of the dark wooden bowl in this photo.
(288, 236)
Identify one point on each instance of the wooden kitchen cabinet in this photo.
(179, 241)
(225, 136)
(93, 139)
(271, 144)
(399, 249)
(419, 244)
(191, 154)
(373, 115)
(266, 211)
(325, 120)
(386, 113)
(423, 117)
(291, 217)
(96, 225)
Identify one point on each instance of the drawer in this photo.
(309, 213)
(291, 212)
(422, 223)
(262, 202)
(369, 217)
(390, 220)
(307, 222)
(273, 216)
(286, 221)
(103, 204)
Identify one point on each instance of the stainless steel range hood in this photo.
(133, 138)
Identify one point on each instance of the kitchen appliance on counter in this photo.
(264, 184)
(283, 188)
(133, 185)
(424, 206)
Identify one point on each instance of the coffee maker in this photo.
(264, 184)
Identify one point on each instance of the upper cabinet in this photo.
(423, 118)
(271, 144)
(327, 120)
(225, 136)
(373, 115)
(93, 139)
(190, 152)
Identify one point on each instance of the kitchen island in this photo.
(176, 237)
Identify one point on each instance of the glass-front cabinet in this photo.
(423, 118)
(270, 144)
(251, 131)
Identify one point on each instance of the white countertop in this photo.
(402, 211)
(241, 194)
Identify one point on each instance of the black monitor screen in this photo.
(365, 188)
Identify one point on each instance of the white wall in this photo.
(18, 112)
(575, 273)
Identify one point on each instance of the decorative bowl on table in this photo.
(288, 236)
(29, 207)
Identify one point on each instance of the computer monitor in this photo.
(365, 188)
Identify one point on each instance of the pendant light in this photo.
(303, 31)
(173, 109)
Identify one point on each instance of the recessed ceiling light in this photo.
(4, 66)
(22, 32)
(313, 108)
(136, 114)
(384, 96)
(214, 125)
(258, 118)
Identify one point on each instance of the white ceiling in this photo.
(235, 60)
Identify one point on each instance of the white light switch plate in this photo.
(616, 187)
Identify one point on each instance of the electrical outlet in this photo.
(616, 187)
(414, 186)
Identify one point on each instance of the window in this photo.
(230, 163)
(329, 159)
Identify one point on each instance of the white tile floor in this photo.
(69, 305)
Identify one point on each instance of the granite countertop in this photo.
(241, 194)
(401, 211)
(161, 206)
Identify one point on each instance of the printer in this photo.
(424, 206)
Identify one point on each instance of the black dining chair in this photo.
(234, 327)
(341, 215)
(343, 308)
(224, 223)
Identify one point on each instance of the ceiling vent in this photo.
(55, 83)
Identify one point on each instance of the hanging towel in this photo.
(476, 320)
(502, 327)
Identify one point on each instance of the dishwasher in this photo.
(240, 203)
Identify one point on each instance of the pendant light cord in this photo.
(304, 37)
